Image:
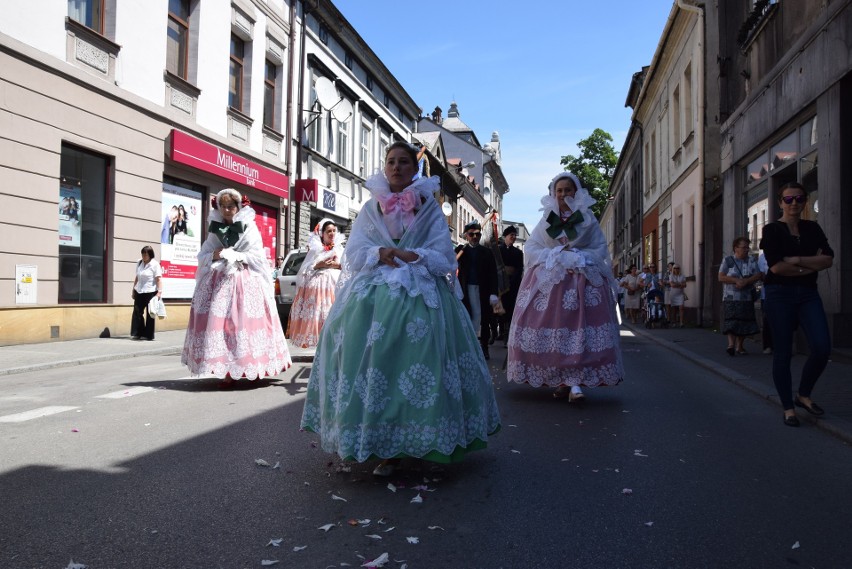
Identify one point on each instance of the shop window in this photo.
(83, 185)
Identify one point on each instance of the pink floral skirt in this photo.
(311, 307)
(234, 330)
(564, 334)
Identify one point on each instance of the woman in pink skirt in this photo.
(564, 332)
(315, 284)
(234, 331)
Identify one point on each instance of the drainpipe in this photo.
(301, 119)
(288, 133)
(699, 206)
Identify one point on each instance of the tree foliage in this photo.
(594, 166)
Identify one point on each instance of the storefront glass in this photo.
(82, 225)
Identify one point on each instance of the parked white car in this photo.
(287, 283)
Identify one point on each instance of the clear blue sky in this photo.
(542, 73)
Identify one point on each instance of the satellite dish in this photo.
(342, 110)
(326, 92)
(447, 208)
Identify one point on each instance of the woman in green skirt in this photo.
(398, 370)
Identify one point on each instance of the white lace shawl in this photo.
(428, 236)
(316, 253)
(249, 249)
(587, 253)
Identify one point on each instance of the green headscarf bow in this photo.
(557, 226)
(228, 234)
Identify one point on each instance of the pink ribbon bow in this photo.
(398, 210)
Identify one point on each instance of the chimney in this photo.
(436, 116)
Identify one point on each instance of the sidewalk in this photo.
(753, 371)
(34, 357)
(702, 346)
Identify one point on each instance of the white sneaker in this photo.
(576, 393)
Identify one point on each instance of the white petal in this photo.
(436, 527)
(277, 465)
(796, 545)
(389, 529)
(414, 540)
(72, 565)
(300, 547)
(268, 562)
(378, 561)
(326, 527)
(391, 487)
(373, 536)
(627, 491)
(260, 462)
(418, 499)
(649, 524)
(275, 542)
(336, 497)
(516, 451)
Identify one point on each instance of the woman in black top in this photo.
(796, 250)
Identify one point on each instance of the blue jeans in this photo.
(789, 307)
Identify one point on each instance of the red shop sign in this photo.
(193, 152)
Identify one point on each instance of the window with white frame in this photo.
(343, 143)
(384, 142)
(366, 143)
(687, 100)
(676, 118)
(315, 122)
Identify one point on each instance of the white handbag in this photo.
(156, 308)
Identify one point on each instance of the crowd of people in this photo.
(402, 321)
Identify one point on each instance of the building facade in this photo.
(121, 119)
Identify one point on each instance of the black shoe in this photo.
(814, 409)
(791, 421)
(485, 352)
(492, 339)
(731, 351)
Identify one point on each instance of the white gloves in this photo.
(232, 256)
(493, 299)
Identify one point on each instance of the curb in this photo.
(301, 358)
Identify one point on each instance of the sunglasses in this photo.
(475, 234)
(801, 198)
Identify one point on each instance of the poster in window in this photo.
(267, 223)
(70, 215)
(180, 240)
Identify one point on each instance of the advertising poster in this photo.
(70, 214)
(180, 240)
(267, 223)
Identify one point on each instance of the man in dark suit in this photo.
(478, 280)
(513, 260)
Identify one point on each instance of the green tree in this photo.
(594, 166)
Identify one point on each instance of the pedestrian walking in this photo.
(796, 250)
(565, 331)
(234, 330)
(398, 370)
(513, 260)
(477, 274)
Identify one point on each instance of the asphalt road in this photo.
(675, 468)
